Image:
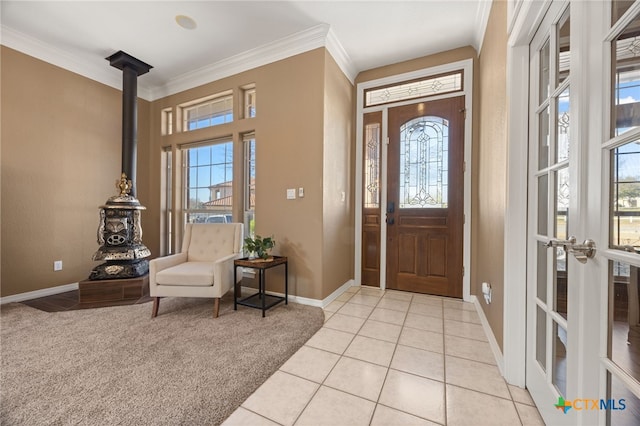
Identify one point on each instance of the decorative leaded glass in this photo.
(372, 166)
(414, 89)
(424, 163)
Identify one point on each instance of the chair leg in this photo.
(156, 305)
(216, 307)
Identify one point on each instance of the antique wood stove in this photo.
(123, 275)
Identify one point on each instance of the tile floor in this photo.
(391, 358)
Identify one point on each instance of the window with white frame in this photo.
(249, 141)
(167, 121)
(249, 100)
(167, 179)
(208, 182)
(208, 112)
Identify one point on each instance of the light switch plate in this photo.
(291, 194)
(300, 192)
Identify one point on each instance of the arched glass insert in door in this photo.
(424, 159)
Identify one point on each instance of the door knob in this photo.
(582, 252)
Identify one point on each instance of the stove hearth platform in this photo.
(113, 290)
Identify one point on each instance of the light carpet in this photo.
(117, 366)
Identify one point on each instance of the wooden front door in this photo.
(425, 199)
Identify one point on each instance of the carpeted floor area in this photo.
(117, 366)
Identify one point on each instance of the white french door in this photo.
(583, 309)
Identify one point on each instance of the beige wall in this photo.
(61, 144)
(488, 244)
(302, 128)
(338, 195)
(61, 154)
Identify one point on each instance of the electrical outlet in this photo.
(486, 291)
(57, 265)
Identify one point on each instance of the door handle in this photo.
(582, 252)
(391, 207)
(390, 220)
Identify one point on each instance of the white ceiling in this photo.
(232, 36)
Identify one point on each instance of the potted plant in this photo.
(258, 247)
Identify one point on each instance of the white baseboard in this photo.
(493, 343)
(38, 293)
(308, 301)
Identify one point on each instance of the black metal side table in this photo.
(260, 300)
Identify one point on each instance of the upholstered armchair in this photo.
(204, 267)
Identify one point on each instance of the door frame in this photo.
(466, 66)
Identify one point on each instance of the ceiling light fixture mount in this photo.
(186, 22)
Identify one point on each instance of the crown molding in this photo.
(484, 10)
(341, 56)
(283, 48)
(303, 41)
(94, 70)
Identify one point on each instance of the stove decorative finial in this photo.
(124, 185)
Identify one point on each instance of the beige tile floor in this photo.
(391, 358)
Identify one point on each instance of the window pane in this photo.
(208, 113)
(618, 8)
(564, 47)
(542, 272)
(543, 203)
(559, 373)
(414, 89)
(562, 203)
(626, 85)
(561, 293)
(544, 72)
(372, 165)
(562, 140)
(543, 139)
(209, 183)
(250, 185)
(625, 195)
(623, 405)
(424, 163)
(541, 337)
(624, 318)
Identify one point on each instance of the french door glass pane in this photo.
(624, 318)
(543, 202)
(561, 274)
(625, 194)
(543, 143)
(541, 337)
(618, 8)
(542, 272)
(623, 405)
(544, 72)
(562, 140)
(562, 203)
(625, 106)
(559, 359)
(564, 47)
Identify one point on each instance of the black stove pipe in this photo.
(131, 69)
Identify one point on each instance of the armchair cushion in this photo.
(212, 243)
(187, 274)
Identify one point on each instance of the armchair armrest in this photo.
(161, 263)
(223, 272)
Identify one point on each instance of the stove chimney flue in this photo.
(120, 228)
(131, 69)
